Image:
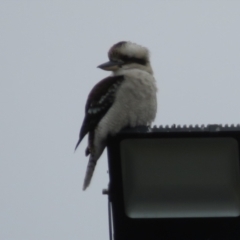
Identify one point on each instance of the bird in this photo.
(126, 98)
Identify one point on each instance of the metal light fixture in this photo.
(175, 183)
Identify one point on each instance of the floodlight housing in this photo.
(175, 183)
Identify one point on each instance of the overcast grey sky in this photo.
(49, 51)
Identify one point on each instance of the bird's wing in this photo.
(100, 99)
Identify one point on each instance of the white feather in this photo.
(134, 50)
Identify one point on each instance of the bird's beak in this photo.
(110, 66)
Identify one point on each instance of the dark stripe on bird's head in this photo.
(128, 60)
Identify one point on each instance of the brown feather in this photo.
(98, 103)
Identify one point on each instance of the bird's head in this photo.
(127, 55)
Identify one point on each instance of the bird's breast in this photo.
(135, 104)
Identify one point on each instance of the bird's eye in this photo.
(120, 63)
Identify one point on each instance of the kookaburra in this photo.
(127, 98)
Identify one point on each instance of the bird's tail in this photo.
(90, 169)
(95, 152)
